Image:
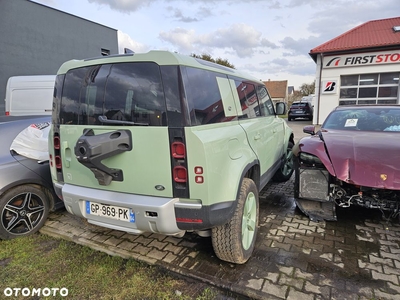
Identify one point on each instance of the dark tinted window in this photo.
(369, 92)
(126, 92)
(203, 96)
(176, 111)
(57, 97)
(299, 105)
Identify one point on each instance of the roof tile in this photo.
(277, 89)
(372, 34)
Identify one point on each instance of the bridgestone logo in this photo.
(27, 292)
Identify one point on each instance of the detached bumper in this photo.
(312, 194)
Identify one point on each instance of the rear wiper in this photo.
(103, 119)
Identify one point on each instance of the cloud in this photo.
(178, 15)
(124, 5)
(128, 6)
(301, 46)
(240, 38)
(125, 41)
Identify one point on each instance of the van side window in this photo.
(248, 99)
(266, 105)
(203, 96)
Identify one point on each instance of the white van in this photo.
(29, 95)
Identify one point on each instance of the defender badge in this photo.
(383, 177)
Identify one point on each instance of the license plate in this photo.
(298, 111)
(110, 211)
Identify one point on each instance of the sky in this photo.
(268, 39)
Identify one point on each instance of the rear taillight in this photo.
(7, 113)
(178, 153)
(180, 174)
(57, 152)
(56, 142)
(178, 150)
(179, 165)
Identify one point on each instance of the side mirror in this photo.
(310, 129)
(280, 108)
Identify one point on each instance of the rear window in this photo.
(130, 92)
(299, 105)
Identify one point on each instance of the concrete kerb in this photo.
(178, 271)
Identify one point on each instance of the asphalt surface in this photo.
(357, 257)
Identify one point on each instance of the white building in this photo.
(361, 67)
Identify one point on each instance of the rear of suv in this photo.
(166, 143)
(301, 110)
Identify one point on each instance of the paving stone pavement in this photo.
(357, 257)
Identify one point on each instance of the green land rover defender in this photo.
(167, 143)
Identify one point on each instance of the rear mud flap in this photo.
(317, 210)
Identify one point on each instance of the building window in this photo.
(105, 52)
(364, 89)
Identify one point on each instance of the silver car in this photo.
(26, 190)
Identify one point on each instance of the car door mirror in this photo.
(310, 129)
(280, 108)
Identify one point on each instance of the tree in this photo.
(307, 89)
(220, 61)
(296, 96)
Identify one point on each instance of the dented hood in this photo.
(365, 158)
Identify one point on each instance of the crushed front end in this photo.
(319, 189)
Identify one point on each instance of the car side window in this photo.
(266, 106)
(203, 96)
(248, 99)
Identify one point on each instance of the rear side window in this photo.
(203, 96)
(130, 92)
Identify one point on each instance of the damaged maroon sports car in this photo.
(354, 159)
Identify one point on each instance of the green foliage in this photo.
(220, 61)
(40, 261)
(307, 89)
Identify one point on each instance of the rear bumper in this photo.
(300, 116)
(169, 216)
(152, 214)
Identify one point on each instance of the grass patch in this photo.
(41, 261)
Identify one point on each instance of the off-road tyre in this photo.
(286, 170)
(234, 241)
(23, 211)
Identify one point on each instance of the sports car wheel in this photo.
(286, 170)
(23, 210)
(234, 241)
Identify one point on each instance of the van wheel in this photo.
(286, 170)
(23, 211)
(234, 241)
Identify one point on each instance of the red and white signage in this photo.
(362, 59)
